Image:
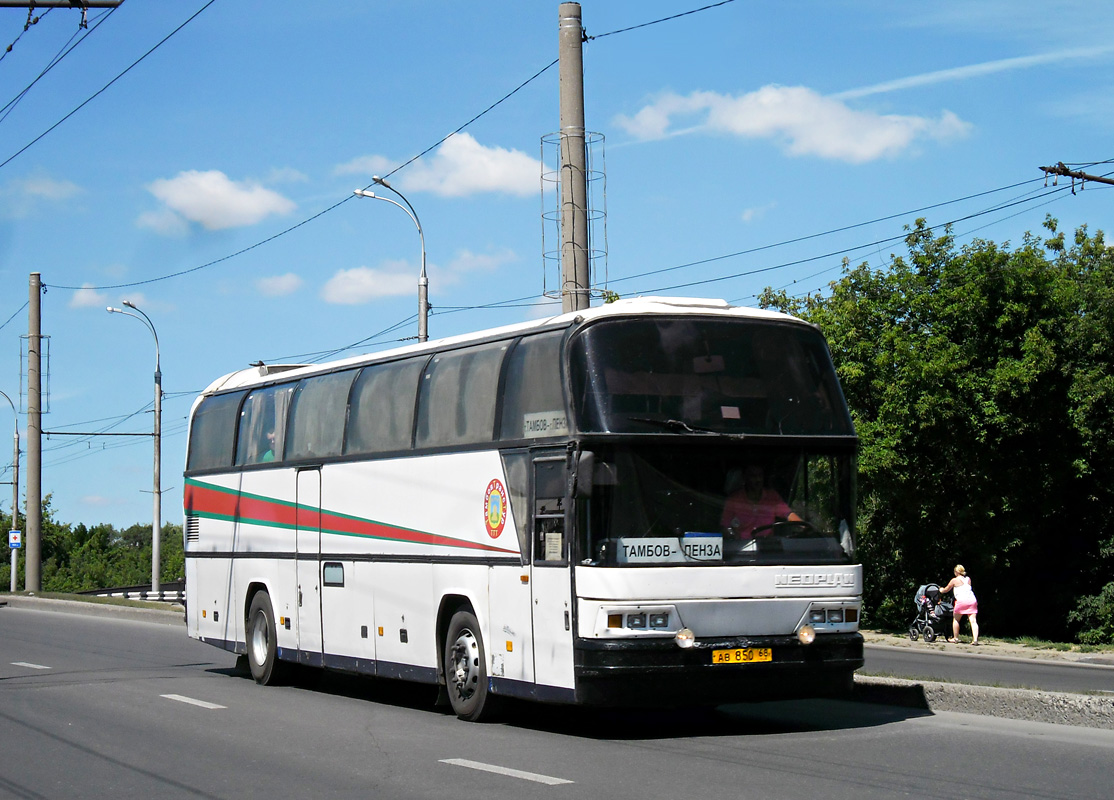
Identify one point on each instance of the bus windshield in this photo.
(695, 374)
(713, 505)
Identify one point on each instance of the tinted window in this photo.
(213, 432)
(533, 405)
(382, 415)
(667, 374)
(457, 404)
(317, 416)
(263, 425)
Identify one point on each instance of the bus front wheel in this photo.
(466, 669)
(262, 645)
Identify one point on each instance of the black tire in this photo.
(913, 634)
(930, 634)
(262, 642)
(465, 664)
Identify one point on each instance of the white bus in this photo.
(645, 503)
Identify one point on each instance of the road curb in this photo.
(157, 615)
(1059, 708)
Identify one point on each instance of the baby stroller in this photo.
(933, 614)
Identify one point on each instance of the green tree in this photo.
(981, 383)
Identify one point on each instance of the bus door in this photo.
(308, 543)
(550, 581)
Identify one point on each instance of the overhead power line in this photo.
(104, 88)
(402, 166)
(64, 51)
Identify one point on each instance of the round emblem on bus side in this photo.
(495, 508)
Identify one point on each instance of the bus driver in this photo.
(752, 507)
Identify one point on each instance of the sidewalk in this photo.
(1059, 708)
(988, 646)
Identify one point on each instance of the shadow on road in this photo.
(867, 709)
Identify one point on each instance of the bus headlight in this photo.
(806, 634)
(685, 638)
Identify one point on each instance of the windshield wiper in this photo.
(675, 425)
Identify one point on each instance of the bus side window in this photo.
(317, 416)
(213, 432)
(263, 425)
(549, 510)
(533, 404)
(458, 393)
(381, 419)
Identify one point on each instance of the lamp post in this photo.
(156, 526)
(423, 281)
(15, 489)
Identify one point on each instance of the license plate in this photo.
(742, 655)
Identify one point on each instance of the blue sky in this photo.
(228, 155)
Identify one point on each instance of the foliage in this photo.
(981, 381)
(1095, 617)
(78, 558)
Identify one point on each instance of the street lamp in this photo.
(156, 526)
(15, 489)
(423, 281)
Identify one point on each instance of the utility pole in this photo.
(1061, 169)
(575, 277)
(32, 580)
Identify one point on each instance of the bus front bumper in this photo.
(656, 672)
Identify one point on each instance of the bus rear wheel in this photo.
(262, 654)
(466, 669)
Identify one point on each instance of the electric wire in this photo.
(104, 88)
(31, 20)
(65, 50)
(656, 21)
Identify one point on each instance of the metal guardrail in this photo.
(168, 592)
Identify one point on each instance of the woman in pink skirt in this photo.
(965, 604)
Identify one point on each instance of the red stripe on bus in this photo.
(365, 527)
(211, 501)
(201, 499)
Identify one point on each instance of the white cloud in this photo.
(400, 278)
(365, 165)
(286, 175)
(21, 197)
(803, 121)
(213, 200)
(467, 261)
(163, 221)
(88, 297)
(460, 167)
(360, 285)
(976, 71)
(279, 285)
(48, 188)
(757, 212)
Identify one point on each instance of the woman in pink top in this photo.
(965, 604)
(753, 505)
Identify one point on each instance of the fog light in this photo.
(806, 634)
(835, 615)
(636, 621)
(816, 616)
(685, 638)
(659, 620)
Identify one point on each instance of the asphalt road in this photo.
(108, 708)
(967, 666)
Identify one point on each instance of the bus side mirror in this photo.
(585, 469)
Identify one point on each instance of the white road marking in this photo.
(28, 665)
(183, 699)
(512, 773)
